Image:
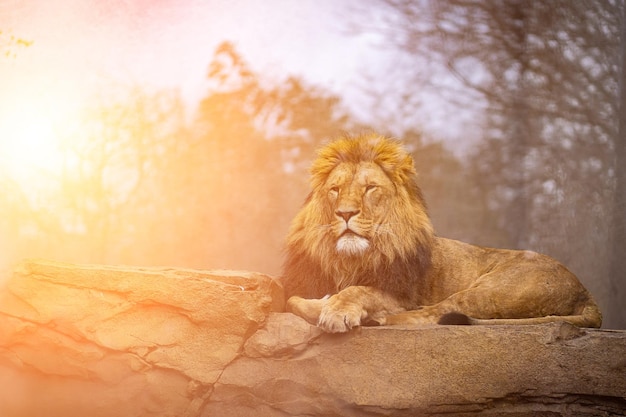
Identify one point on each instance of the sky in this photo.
(82, 50)
(82, 45)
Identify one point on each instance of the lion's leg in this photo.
(473, 302)
(354, 305)
(309, 310)
(489, 298)
(425, 315)
(504, 298)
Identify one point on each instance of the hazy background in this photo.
(179, 133)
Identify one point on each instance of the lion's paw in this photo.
(340, 317)
(339, 322)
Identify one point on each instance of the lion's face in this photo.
(365, 210)
(358, 196)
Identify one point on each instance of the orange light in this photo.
(31, 131)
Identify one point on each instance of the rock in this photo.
(555, 369)
(283, 336)
(113, 341)
(110, 341)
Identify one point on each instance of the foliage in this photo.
(9, 44)
(144, 185)
(250, 141)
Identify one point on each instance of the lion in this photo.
(362, 251)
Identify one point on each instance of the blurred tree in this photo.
(141, 185)
(111, 203)
(457, 208)
(17, 231)
(548, 73)
(618, 235)
(257, 141)
(244, 165)
(15, 226)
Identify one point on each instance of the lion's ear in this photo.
(402, 169)
(394, 159)
(408, 166)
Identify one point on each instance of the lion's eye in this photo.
(334, 190)
(370, 187)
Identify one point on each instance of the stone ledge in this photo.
(80, 340)
(491, 370)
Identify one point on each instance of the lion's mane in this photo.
(314, 268)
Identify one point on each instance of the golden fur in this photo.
(364, 237)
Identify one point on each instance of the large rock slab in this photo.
(113, 341)
(85, 340)
(553, 370)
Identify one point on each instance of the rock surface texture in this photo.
(96, 341)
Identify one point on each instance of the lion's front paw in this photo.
(338, 316)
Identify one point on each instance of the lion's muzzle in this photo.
(351, 243)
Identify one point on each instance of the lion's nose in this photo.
(347, 215)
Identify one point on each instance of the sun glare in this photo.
(30, 139)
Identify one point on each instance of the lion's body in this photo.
(364, 236)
